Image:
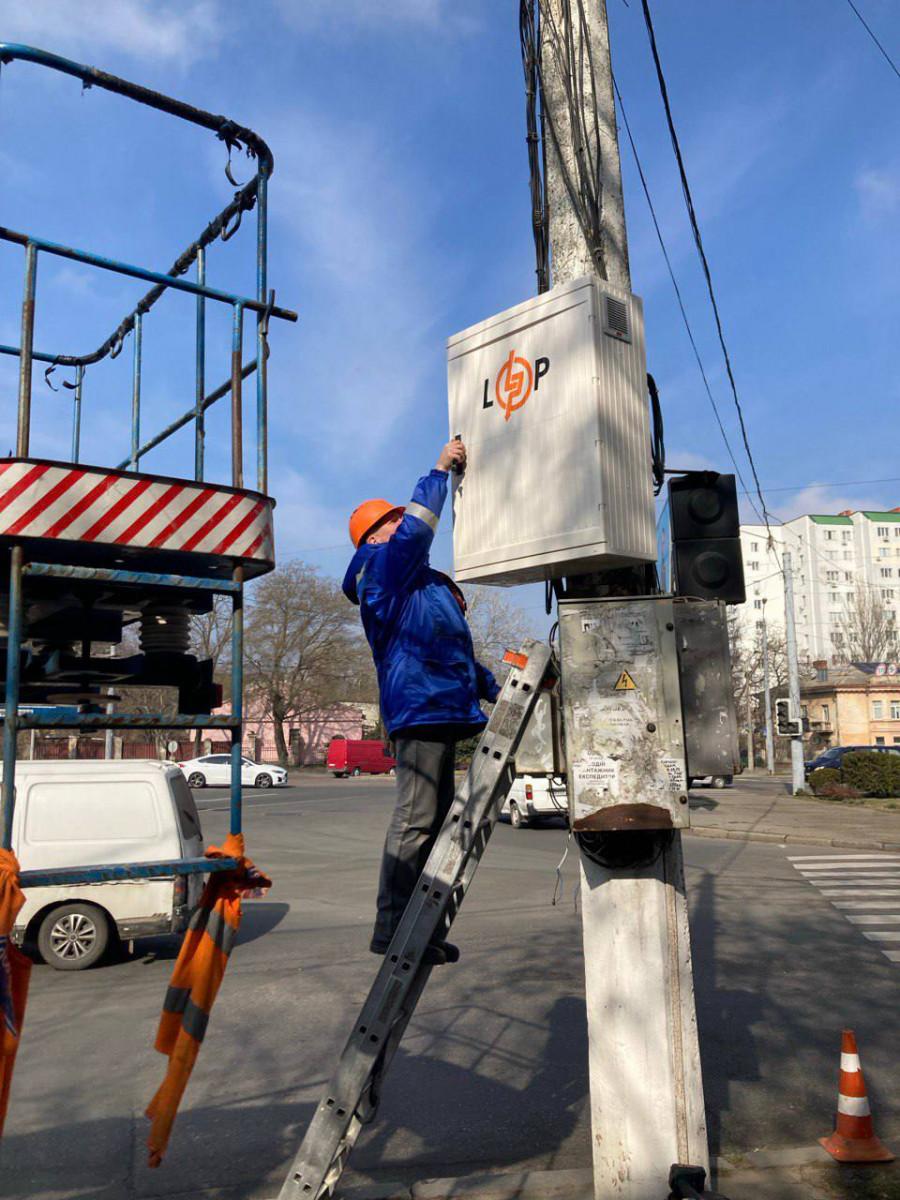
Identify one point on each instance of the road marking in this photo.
(867, 883)
(839, 858)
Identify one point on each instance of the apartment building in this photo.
(831, 556)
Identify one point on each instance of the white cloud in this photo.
(819, 498)
(879, 193)
(356, 232)
(345, 17)
(168, 30)
(305, 526)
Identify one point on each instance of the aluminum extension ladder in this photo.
(351, 1097)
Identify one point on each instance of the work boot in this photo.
(451, 952)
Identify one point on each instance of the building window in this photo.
(837, 638)
(835, 614)
(888, 593)
(804, 711)
(887, 572)
(826, 714)
(846, 535)
(897, 531)
(879, 741)
(754, 566)
(757, 603)
(754, 546)
(877, 710)
(895, 710)
(848, 556)
(829, 535)
(834, 597)
(832, 576)
(883, 551)
(883, 531)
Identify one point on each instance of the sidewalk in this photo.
(760, 808)
(802, 1173)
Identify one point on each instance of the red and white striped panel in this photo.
(89, 504)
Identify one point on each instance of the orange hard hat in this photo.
(367, 515)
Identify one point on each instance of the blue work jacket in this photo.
(415, 624)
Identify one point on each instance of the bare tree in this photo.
(497, 624)
(867, 627)
(302, 648)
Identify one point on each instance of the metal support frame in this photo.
(13, 721)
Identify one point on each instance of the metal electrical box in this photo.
(622, 714)
(707, 697)
(550, 398)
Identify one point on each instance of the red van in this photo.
(347, 757)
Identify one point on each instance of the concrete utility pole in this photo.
(770, 739)
(751, 763)
(798, 781)
(646, 1090)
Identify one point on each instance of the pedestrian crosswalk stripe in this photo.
(869, 884)
(809, 859)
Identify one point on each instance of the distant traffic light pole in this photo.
(793, 666)
(770, 738)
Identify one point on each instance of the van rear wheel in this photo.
(73, 936)
(515, 816)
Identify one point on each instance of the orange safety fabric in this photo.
(367, 515)
(15, 971)
(195, 982)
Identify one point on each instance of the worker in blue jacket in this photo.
(428, 679)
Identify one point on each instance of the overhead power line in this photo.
(871, 34)
(684, 315)
(698, 241)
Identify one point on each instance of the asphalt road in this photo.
(493, 1071)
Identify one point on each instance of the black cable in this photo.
(678, 296)
(529, 38)
(658, 442)
(871, 34)
(698, 241)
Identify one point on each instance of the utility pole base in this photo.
(646, 1089)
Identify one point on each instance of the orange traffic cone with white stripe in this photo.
(854, 1140)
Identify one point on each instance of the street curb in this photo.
(553, 1185)
(807, 839)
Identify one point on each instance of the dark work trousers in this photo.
(425, 789)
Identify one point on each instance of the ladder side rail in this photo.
(438, 893)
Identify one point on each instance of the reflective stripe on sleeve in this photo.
(424, 514)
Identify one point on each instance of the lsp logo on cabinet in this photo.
(515, 382)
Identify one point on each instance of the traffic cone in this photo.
(854, 1140)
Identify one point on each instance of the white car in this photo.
(533, 798)
(214, 770)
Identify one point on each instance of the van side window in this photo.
(188, 817)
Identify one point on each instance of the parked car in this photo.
(715, 781)
(347, 756)
(834, 756)
(92, 813)
(534, 798)
(214, 770)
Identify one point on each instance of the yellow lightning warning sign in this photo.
(625, 683)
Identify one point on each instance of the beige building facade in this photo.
(854, 705)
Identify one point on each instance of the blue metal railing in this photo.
(224, 226)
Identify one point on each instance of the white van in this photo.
(96, 813)
(534, 798)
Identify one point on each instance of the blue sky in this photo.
(400, 214)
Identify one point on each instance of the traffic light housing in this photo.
(786, 724)
(706, 541)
